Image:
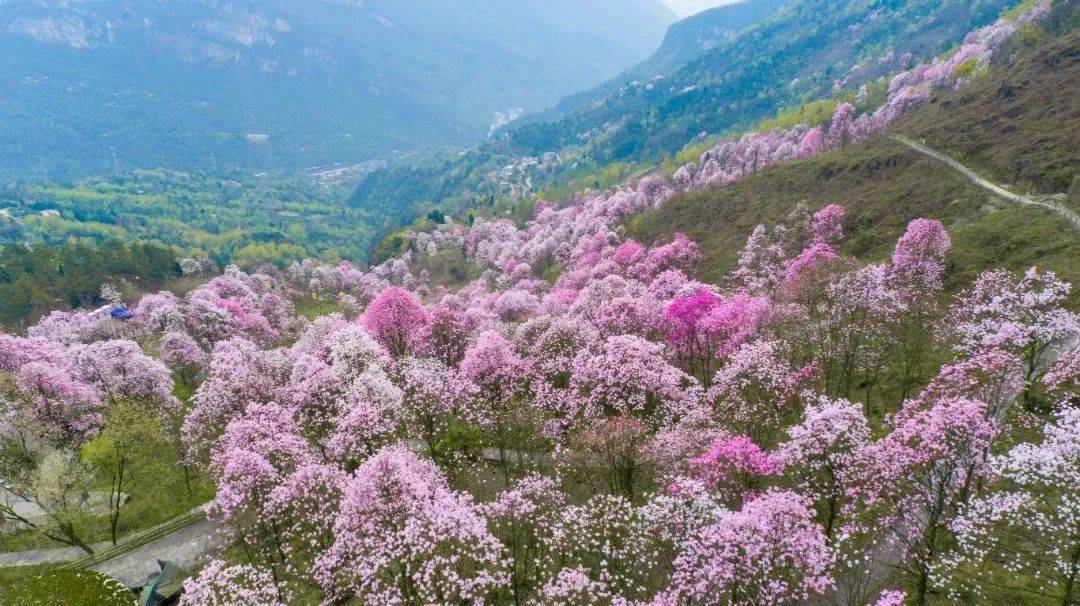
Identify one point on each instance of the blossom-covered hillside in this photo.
(1010, 124)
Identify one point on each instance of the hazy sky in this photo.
(685, 8)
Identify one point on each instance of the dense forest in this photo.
(40, 278)
(229, 218)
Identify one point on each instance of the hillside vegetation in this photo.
(800, 53)
(229, 218)
(684, 42)
(1011, 124)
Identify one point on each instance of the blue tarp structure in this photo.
(122, 313)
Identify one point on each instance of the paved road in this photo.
(997, 190)
(185, 547)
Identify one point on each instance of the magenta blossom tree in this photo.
(736, 468)
(396, 319)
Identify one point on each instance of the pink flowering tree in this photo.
(351, 352)
(704, 328)
(808, 275)
(919, 257)
(60, 408)
(681, 253)
(610, 546)
(443, 409)
(1027, 317)
(918, 265)
(315, 391)
(369, 416)
(819, 456)
(139, 410)
(122, 373)
(403, 537)
(769, 552)
(849, 334)
(757, 392)
(396, 319)
(1064, 378)
(813, 143)
(686, 317)
(761, 264)
(492, 365)
(446, 334)
(574, 587)
(628, 375)
(239, 374)
(842, 128)
(64, 327)
(912, 483)
(993, 376)
(219, 584)
(256, 455)
(827, 225)
(301, 510)
(182, 353)
(1025, 532)
(735, 468)
(524, 517)
(160, 312)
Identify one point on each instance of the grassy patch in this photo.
(448, 268)
(311, 307)
(1019, 125)
(64, 588)
(160, 493)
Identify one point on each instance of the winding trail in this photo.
(184, 546)
(181, 539)
(1043, 201)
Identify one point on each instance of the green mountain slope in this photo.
(798, 54)
(94, 85)
(1013, 126)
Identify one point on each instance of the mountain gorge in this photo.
(805, 50)
(91, 87)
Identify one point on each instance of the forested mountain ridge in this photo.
(92, 86)
(807, 50)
